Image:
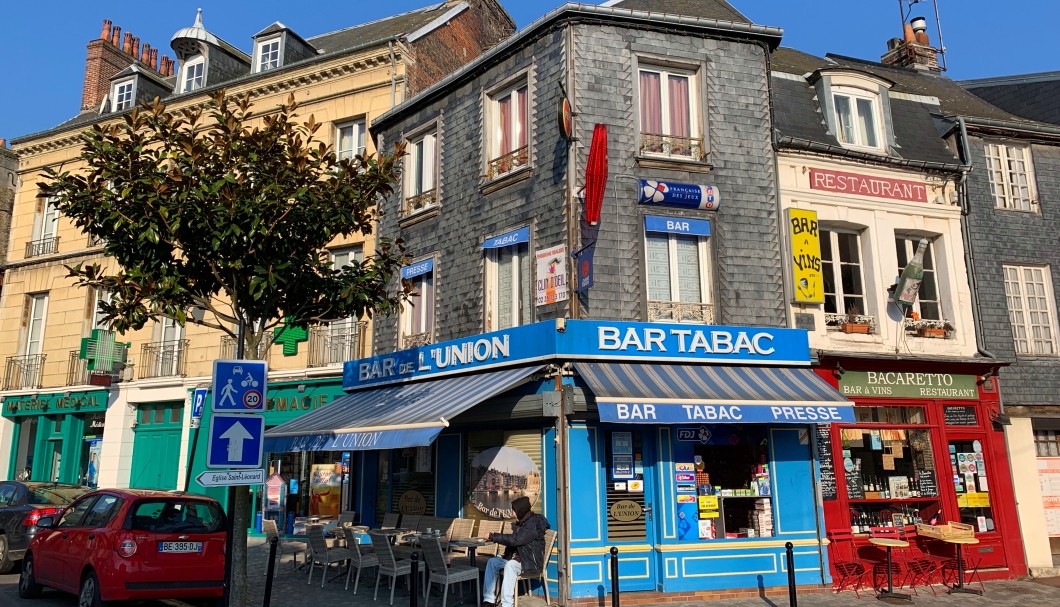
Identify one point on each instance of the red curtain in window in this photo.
(504, 107)
(678, 89)
(650, 103)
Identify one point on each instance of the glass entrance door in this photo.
(629, 506)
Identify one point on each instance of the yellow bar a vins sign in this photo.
(805, 256)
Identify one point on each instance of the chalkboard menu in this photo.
(824, 456)
(855, 490)
(926, 481)
(961, 416)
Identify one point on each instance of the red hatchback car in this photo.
(128, 544)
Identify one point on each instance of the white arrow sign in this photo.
(235, 437)
(229, 478)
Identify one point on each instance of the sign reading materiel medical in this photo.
(551, 275)
(52, 404)
(239, 385)
(585, 340)
(805, 256)
(867, 185)
(895, 384)
(687, 195)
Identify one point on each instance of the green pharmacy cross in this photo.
(290, 336)
(102, 352)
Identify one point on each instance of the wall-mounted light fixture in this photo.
(839, 371)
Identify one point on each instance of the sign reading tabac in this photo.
(867, 185)
(805, 256)
(897, 384)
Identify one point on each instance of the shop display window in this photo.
(890, 472)
(968, 466)
(734, 487)
(406, 481)
(626, 505)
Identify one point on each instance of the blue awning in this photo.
(405, 415)
(678, 394)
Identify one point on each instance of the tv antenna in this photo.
(905, 8)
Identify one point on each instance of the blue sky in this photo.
(42, 63)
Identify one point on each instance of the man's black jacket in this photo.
(528, 539)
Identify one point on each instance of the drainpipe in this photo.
(393, 74)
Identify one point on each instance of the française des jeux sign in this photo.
(54, 404)
(585, 340)
(867, 185)
(896, 384)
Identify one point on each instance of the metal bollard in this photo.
(414, 578)
(793, 599)
(273, 542)
(614, 577)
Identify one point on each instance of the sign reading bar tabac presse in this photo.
(897, 384)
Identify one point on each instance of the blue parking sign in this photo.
(236, 441)
(198, 403)
(239, 385)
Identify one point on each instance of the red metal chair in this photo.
(850, 572)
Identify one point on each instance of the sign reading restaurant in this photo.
(867, 185)
(895, 384)
(585, 340)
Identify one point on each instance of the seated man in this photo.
(526, 544)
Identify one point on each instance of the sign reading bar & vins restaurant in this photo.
(888, 384)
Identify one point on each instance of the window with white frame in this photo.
(123, 93)
(669, 109)
(100, 296)
(343, 337)
(33, 317)
(507, 286)
(45, 229)
(509, 127)
(1029, 292)
(843, 274)
(417, 316)
(679, 278)
(1011, 175)
(268, 54)
(193, 75)
(421, 176)
(928, 305)
(349, 139)
(857, 118)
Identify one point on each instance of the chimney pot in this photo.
(115, 35)
(907, 33)
(153, 59)
(919, 24)
(894, 43)
(135, 47)
(3, 143)
(105, 34)
(126, 45)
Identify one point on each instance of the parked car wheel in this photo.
(89, 596)
(5, 563)
(28, 588)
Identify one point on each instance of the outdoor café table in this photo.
(889, 543)
(392, 534)
(471, 543)
(960, 541)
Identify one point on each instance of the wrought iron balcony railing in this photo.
(228, 347)
(163, 358)
(509, 162)
(44, 246)
(420, 202)
(416, 340)
(671, 146)
(78, 374)
(679, 311)
(337, 343)
(24, 372)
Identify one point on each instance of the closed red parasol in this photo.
(596, 175)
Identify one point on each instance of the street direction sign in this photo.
(236, 441)
(231, 478)
(239, 385)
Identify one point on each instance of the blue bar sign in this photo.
(688, 195)
(677, 225)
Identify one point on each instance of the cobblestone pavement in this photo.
(291, 590)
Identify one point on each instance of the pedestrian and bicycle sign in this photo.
(239, 385)
(236, 441)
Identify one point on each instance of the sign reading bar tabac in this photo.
(867, 185)
(896, 384)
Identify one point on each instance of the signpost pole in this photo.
(230, 531)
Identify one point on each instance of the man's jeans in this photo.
(512, 569)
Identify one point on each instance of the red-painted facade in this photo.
(1000, 548)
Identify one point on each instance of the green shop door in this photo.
(156, 446)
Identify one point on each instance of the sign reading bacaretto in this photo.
(585, 340)
(867, 185)
(895, 384)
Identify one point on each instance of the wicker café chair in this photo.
(388, 565)
(320, 553)
(390, 521)
(445, 574)
(359, 558)
(550, 542)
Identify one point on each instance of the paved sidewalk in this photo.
(291, 590)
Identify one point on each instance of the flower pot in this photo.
(856, 327)
(931, 332)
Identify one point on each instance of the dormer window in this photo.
(267, 55)
(123, 93)
(194, 74)
(857, 118)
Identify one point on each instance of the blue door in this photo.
(629, 461)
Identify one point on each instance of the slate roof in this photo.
(706, 9)
(1033, 96)
(331, 43)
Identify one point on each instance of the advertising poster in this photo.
(325, 490)
(551, 275)
(1049, 478)
(498, 476)
(805, 256)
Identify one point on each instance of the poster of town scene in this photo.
(498, 476)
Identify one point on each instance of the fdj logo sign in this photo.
(700, 434)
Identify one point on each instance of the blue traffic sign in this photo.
(239, 385)
(236, 441)
(198, 403)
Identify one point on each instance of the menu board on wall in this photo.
(926, 482)
(855, 490)
(824, 456)
(961, 416)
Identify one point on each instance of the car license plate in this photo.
(180, 546)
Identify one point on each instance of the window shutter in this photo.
(27, 305)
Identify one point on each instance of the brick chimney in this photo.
(108, 55)
(914, 50)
